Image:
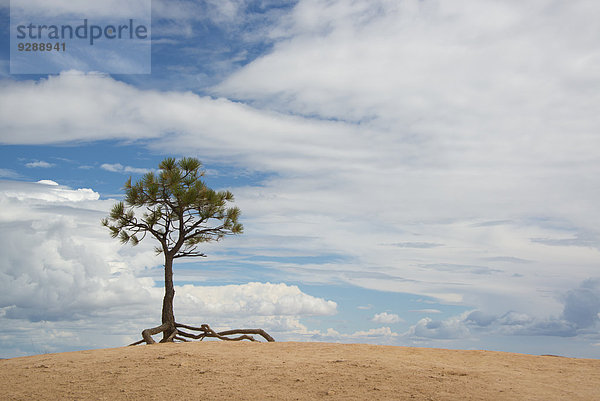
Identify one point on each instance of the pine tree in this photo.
(176, 208)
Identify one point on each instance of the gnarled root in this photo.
(177, 334)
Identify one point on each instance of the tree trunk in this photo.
(167, 310)
(172, 331)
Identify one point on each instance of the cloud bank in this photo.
(60, 268)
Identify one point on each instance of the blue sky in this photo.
(418, 173)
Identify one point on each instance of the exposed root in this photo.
(204, 331)
(148, 333)
(170, 337)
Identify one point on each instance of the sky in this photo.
(410, 172)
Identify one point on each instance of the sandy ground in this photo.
(296, 371)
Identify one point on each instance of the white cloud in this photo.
(46, 190)
(386, 318)
(58, 260)
(115, 168)
(380, 335)
(48, 182)
(580, 316)
(119, 168)
(379, 332)
(39, 164)
(452, 328)
(252, 299)
(447, 95)
(426, 311)
(61, 273)
(423, 64)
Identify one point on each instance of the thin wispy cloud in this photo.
(8, 173)
(429, 311)
(423, 245)
(119, 168)
(39, 164)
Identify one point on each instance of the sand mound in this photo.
(296, 371)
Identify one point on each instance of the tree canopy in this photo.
(178, 209)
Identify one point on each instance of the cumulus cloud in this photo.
(61, 268)
(380, 335)
(46, 190)
(379, 332)
(386, 318)
(581, 315)
(515, 323)
(582, 305)
(254, 299)
(58, 262)
(452, 328)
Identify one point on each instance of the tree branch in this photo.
(190, 254)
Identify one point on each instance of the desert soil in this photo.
(296, 371)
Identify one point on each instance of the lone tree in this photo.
(181, 212)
